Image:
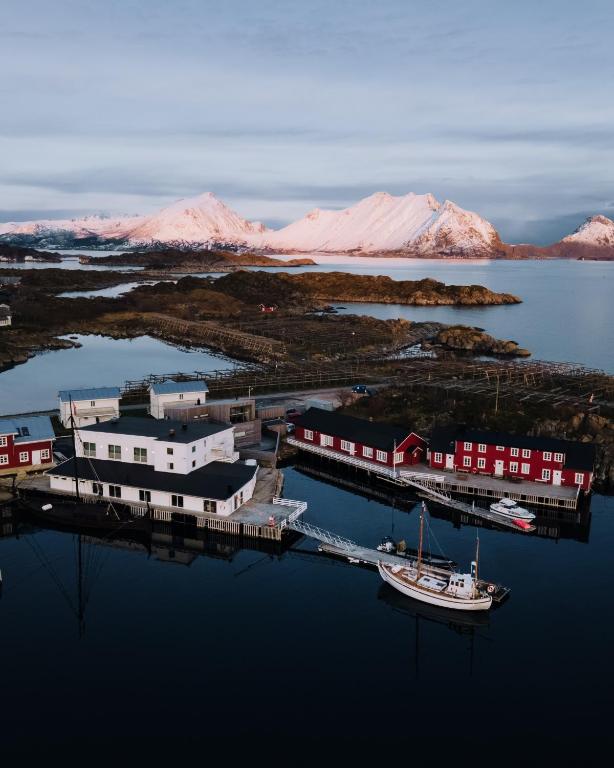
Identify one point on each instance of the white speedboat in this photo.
(459, 591)
(509, 508)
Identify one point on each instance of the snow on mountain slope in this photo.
(87, 226)
(198, 220)
(595, 231)
(382, 222)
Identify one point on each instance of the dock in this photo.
(338, 546)
(423, 478)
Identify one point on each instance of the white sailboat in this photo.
(459, 591)
(509, 508)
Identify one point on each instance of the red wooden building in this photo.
(381, 444)
(540, 459)
(25, 443)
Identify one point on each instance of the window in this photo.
(89, 449)
(236, 502)
(45, 454)
(23, 456)
(145, 496)
(558, 457)
(209, 506)
(467, 446)
(194, 463)
(526, 453)
(514, 452)
(481, 463)
(115, 491)
(513, 466)
(326, 440)
(140, 455)
(466, 461)
(438, 458)
(4, 459)
(181, 397)
(308, 434)
(347, 446)
(92, 403)
(170, 465)
(545, 474)
(193, 449)
(97, 488)
(3, 441)
(398, 458)
(381, 456)
(481, 448)
(367, 452)
(547, 456)
(526, 468)
(579, 478)
(115, 452)
(176, 501)
(170, 451)
(500, 447)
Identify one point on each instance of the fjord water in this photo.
(250, 651)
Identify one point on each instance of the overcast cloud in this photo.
(279, 107)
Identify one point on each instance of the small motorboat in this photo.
(391, 547)
(509, 508)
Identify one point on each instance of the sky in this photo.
(278, 107)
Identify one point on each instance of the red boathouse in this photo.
(540, 459)
(25, 443)
(382, 444)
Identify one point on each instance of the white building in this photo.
(5, 315)
(175, 393)
(177, 467)
(89, 406)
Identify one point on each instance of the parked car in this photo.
(361, 389)
(289, 427)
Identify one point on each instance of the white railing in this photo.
(345, 458)
(322, 535)
(297, 507)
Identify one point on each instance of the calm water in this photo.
(111, 292)
(227, 653)
(100, 361)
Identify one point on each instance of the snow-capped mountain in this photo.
(382, 222)
(594, 231)
(51, 230)
(199, 220)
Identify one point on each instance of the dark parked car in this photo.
(361, 389)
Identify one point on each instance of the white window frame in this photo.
(327, 441)
(467, 446)
(115, 491)
(4, 441)
(398, 457)
(481, 447)
(142, 454)
(546, 474)
(514, 452)
(547, 455)
(89, 450)
(4, 458)
(438, 457)
(481, 463)
(92, 403)
(466, 461)
(144, 495)
(559, 457)
(308, 434)
(347, 446)
(181, 397)
(526, 453)
(45, 453)
(513, 466)
(381, 455)
(114, 457)
(579, 478)
(367, 452)
(525, 469)
(23, 457)
(500, 447)
(177, 500)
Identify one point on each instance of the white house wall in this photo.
(85, 414)
(130, 495)
(157, 403)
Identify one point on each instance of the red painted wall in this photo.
(406, 447)
(13, 450)
(536, 462)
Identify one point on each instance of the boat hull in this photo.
(434, 598)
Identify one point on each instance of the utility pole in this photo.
(497, 396)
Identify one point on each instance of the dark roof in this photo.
(371, 433)
(217, 480)
(577, 455)
(160, 429)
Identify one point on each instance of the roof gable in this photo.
(28, 429)
(94, 393)
(171, 387)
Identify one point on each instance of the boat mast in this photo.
(419, 564)
(74, 447)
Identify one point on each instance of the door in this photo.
(499, 468)
(36, 457)
(556, 477)
(449, 461)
